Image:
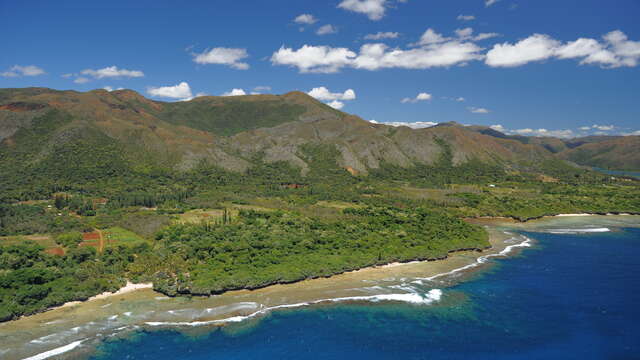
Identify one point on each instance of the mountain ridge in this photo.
(231, 132)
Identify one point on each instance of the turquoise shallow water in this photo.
(571, 296)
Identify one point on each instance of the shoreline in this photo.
(129, 287)
(132, 287)
(414, 283)
(520, 220)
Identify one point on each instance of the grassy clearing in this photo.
(118, 235)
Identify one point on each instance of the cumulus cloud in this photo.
(498, 127)
(413, 125)
(429, 37)
(223, 56)
(234, 92)
(19, 70)
(466, 17)
(488, 3)
(335, 100)
(423, 96)
(380, 56)
(306, 19)
(336, 104)
(616, 50)
(566, 133)
(373, 9)
(314, 59)
(181, 91)
(325, 59)
(603, 127)
(382, 35)
(460, 99)
(534, 48)
(112, 72)
(110, 89)
(323, 94)
(478, 110)
(326, 30)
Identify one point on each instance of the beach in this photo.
(137, 306)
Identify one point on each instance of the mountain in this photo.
(37, 125)
(602, 151)
(615, 153)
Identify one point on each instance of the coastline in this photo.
(131, 287)
(418, 283)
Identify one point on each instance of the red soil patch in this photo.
(55, 251)
(91, 236)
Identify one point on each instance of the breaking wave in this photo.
(577, 231)
(479, 261)
(56, 351)
(432, 296)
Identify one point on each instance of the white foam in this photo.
(56, 351)
(578, 231)
(480, 260)
(432, 296)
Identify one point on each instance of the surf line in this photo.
(432, 296)
(479, 261)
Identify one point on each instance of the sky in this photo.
(546, 67)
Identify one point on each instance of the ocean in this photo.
(571, 295)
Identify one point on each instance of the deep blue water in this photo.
(568, 297)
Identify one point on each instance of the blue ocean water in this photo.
(569, 297)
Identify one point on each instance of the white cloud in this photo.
(488, 3)
(477, 110)
(110, 89)
(235, 92)
(460, 99)
(498, 127)
(603, 127)
(336, 104)
(484, 36)
(379, 56)
(464, 33)
(323, 94)
(466, 17)
(567, 133)
(112, 72)
(260, 89)
(585, 128)
(326, 30)
(579, 48)
(81, 80)
(307, 19)
(430, 36)
(423, 96)
(324, 59)
(413, 125)
(223, 56)
(537, 47)
(19, 70)
(181, 91)
(314, 59)
(615, 51)
(467, 34)
(374, 9)
(382, 35)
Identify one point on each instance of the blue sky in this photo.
(568, 67)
